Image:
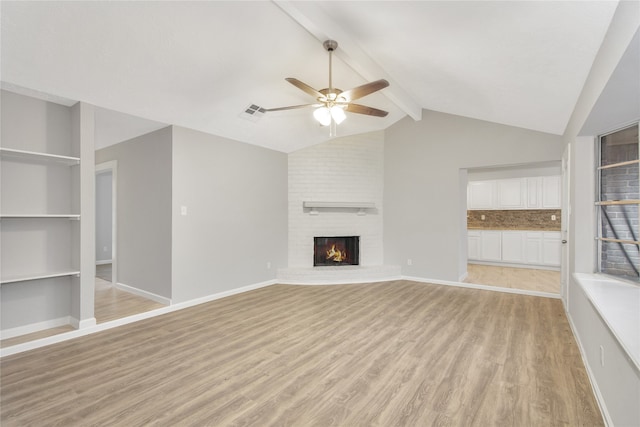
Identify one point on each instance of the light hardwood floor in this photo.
(110, 303)
(517, 278)
(395, 353)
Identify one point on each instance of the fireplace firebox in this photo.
(341, 250)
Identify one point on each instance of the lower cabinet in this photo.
(516, 247)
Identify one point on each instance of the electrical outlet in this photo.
(183, 210)
(553, 217)
(602, 356)
(482, 217)
(409, 261)
(269, 265)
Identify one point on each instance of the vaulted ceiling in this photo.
(201, 64)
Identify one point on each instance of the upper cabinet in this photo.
(542, 192)
(512, 193)
(481, 195)
(551, 191)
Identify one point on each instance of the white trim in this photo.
(35, 327)
(338, 281)
(463, 277)
(592, 378)
(102, 262)
(515, 265)
(483, 287)
(143, 293)
(19, 348)
(81, 324)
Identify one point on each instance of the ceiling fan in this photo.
(332, 102)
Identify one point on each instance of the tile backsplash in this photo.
(530, 219)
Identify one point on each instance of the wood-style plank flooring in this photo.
(516, 278)
(394, 353)
(110, 303)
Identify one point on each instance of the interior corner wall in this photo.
(143, 210)
(422, 186)
(347, 169)
(234, 197)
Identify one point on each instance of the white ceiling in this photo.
(201, 64)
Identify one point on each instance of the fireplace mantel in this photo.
(359, 206)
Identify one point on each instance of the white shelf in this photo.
(38, 157)
(360, 206)
(26, 277)
(17, 216)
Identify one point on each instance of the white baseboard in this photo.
(592, 379)
(145, 294)
(483, 287)
(104, 261)
(515, 265)
(80, 324)
(35, 327)
(338, 282)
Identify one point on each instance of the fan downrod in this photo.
(330, 45)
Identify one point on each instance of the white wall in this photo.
(348, 169)
(144, 210)
(423, 195)
(103, 216)
(236, 200)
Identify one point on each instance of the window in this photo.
(618, 199)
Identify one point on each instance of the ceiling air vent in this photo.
(253, 113)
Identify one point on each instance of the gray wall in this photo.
(103, 216)
(144, 210)
(424, 197)
(236, 200)
(618, 381)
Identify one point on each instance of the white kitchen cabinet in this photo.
(512, 193)
(551, 192)
(551, 248)
(533, 247)
(542, 248)
(543, 192)
(473, 244)
(534, 192)
(481, 195)
(513, 246)
(491, 246)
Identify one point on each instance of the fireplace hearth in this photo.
(341, 250)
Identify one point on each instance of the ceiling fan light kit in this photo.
(332, 102)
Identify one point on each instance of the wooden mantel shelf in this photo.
(359, 206)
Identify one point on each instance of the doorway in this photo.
(106, 232)
(513, 219)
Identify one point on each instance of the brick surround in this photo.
(348, 169)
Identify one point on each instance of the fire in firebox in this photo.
(341, 250)
(336, 255)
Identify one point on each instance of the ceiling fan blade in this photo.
(305, 87)
(363, 109)
(292, 107)
(364, 90)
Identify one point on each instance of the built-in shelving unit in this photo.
(361, 207)
(43, 240)
(23, 216)
(48, 275)
(38, 157)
